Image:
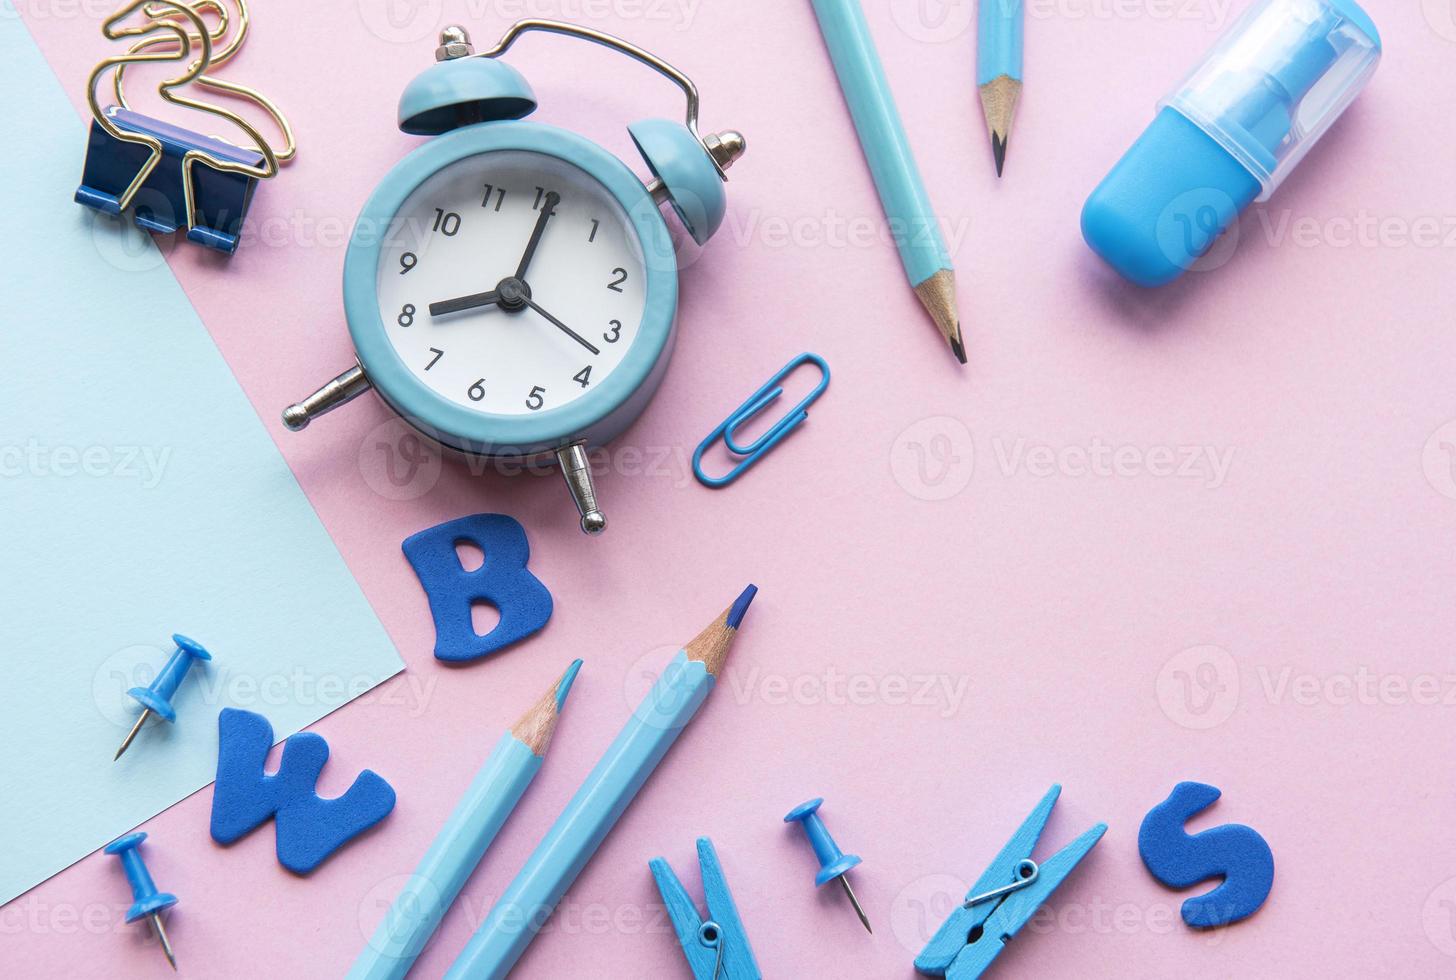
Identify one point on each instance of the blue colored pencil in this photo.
(998, 68)
(606, 792)
(462, 842)
(887, 150)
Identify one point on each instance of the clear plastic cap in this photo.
(1277, 80)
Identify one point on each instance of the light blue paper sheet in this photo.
(139, 496)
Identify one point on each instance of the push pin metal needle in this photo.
(157, 699)
(833, 863)
(148, 902)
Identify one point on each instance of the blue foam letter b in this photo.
(502, 581)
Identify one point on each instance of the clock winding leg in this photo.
(345, 388)
(577, 469)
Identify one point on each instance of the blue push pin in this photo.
(833, 862)
(149, 902)
(158, 697)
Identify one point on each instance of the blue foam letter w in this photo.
(308, 828)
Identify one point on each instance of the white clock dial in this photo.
(496, 342)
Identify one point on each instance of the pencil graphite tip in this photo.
(563, 686)
(998, 98)
(958, 346)
(740, 606)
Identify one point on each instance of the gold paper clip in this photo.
(127, 150)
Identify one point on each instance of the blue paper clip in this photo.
(716, 947)
(745, 413)
(1003, 900)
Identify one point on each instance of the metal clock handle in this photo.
(622, 47)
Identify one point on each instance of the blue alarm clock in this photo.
(511, 287)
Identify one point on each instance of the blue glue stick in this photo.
(1230, 134)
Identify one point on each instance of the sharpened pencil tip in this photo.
(998, 98)
(740, 606)
(958, 346)
(563, 686)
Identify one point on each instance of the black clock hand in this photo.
(548, 206)
(470, 302)
(564, 328)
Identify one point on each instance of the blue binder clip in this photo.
(717, 947)
(727, 430)
(168, 176)
(1003, 900)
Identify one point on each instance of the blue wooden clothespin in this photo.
(716, 947)
(1003, 900)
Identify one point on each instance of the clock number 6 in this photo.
(477, 390)
(534, 401)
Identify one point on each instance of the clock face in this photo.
(475, 326)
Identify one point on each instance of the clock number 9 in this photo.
(615, 334)
(406, 316)
(534, 401)
(407, 262)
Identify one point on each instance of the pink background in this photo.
(1282, 631)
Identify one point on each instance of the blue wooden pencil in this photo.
(607, 790)
(998, 68)
(887, 150)
(462, 842)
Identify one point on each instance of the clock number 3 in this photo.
(615, 334)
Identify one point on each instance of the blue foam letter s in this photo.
(1180, 860)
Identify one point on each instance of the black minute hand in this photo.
(548, 206)
(564, 328)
